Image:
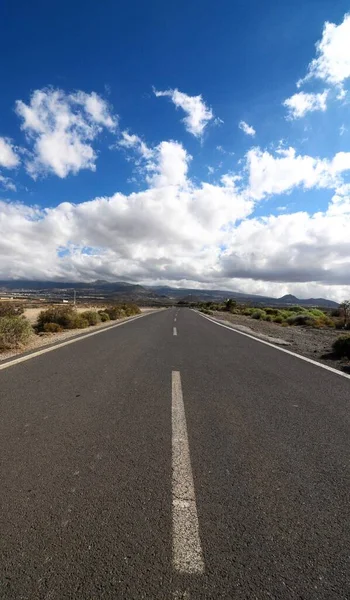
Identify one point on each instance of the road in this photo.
(173, 458)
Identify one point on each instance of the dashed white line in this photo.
(174, 331)
(187, 550)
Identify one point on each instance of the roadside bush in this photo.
(278, 319)
(268, 318)
(118, 311)
(301, 320)
(14, 331)
(52, 328)
(114, 312)
(78, 322)
(296, 309)
(104, 316)
(259, 314)
(131, 309)
(271, 311)
(341, 346)
(316, 312)
(61, 315)
(10, 309)
(91, 316)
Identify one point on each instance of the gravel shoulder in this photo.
(46, 339)
(313, 343)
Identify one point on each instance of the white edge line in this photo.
(174, 331)
(21, 359)
(305, 358)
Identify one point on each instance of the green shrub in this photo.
(296, 309)
(104, 316)
(14, 331)
(131, 309)
(66, 317)
(271, 311)
(78, 322)
(118, 311)
(316, 312)
(114, 312)
(302, 320)
(52, 328)
(259, 314)
(61, 315)
(268, 318)
(10, 309)
(91, 316)
(341, 346)
(278, 319)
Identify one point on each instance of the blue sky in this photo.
(102, 177)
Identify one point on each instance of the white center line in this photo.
(175, 320)
(174, 331)
(187, 550)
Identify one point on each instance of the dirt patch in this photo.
(313, 343)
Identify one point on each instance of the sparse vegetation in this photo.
(67, 317)
(91, 316)
(15, 332)
(103, 316)
(297, 316)
(10, 309)
(341, 347)
(52, 328)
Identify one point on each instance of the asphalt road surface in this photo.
(173, 458)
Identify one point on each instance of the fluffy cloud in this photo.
(128, 141)
(269, 174)
(247, 129)
(62, 128)
(292, 248)
(172, 229)
(177, 232)
(8, 156)
(198, 113)
(302, 103)
(332, 62)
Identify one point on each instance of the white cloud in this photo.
(247, 129)
(174, 231)
(301, 103)
(134, 141)
(170, 165)
(175, 234)
(8, 156)
(332, 62)
(269, 174)
(7, 183)
(198, 113)
(62, 128)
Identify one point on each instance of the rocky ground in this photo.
(313, 343)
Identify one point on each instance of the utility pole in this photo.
(75, 297)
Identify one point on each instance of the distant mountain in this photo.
(195, 295)
(288, 299)
(136, 292)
